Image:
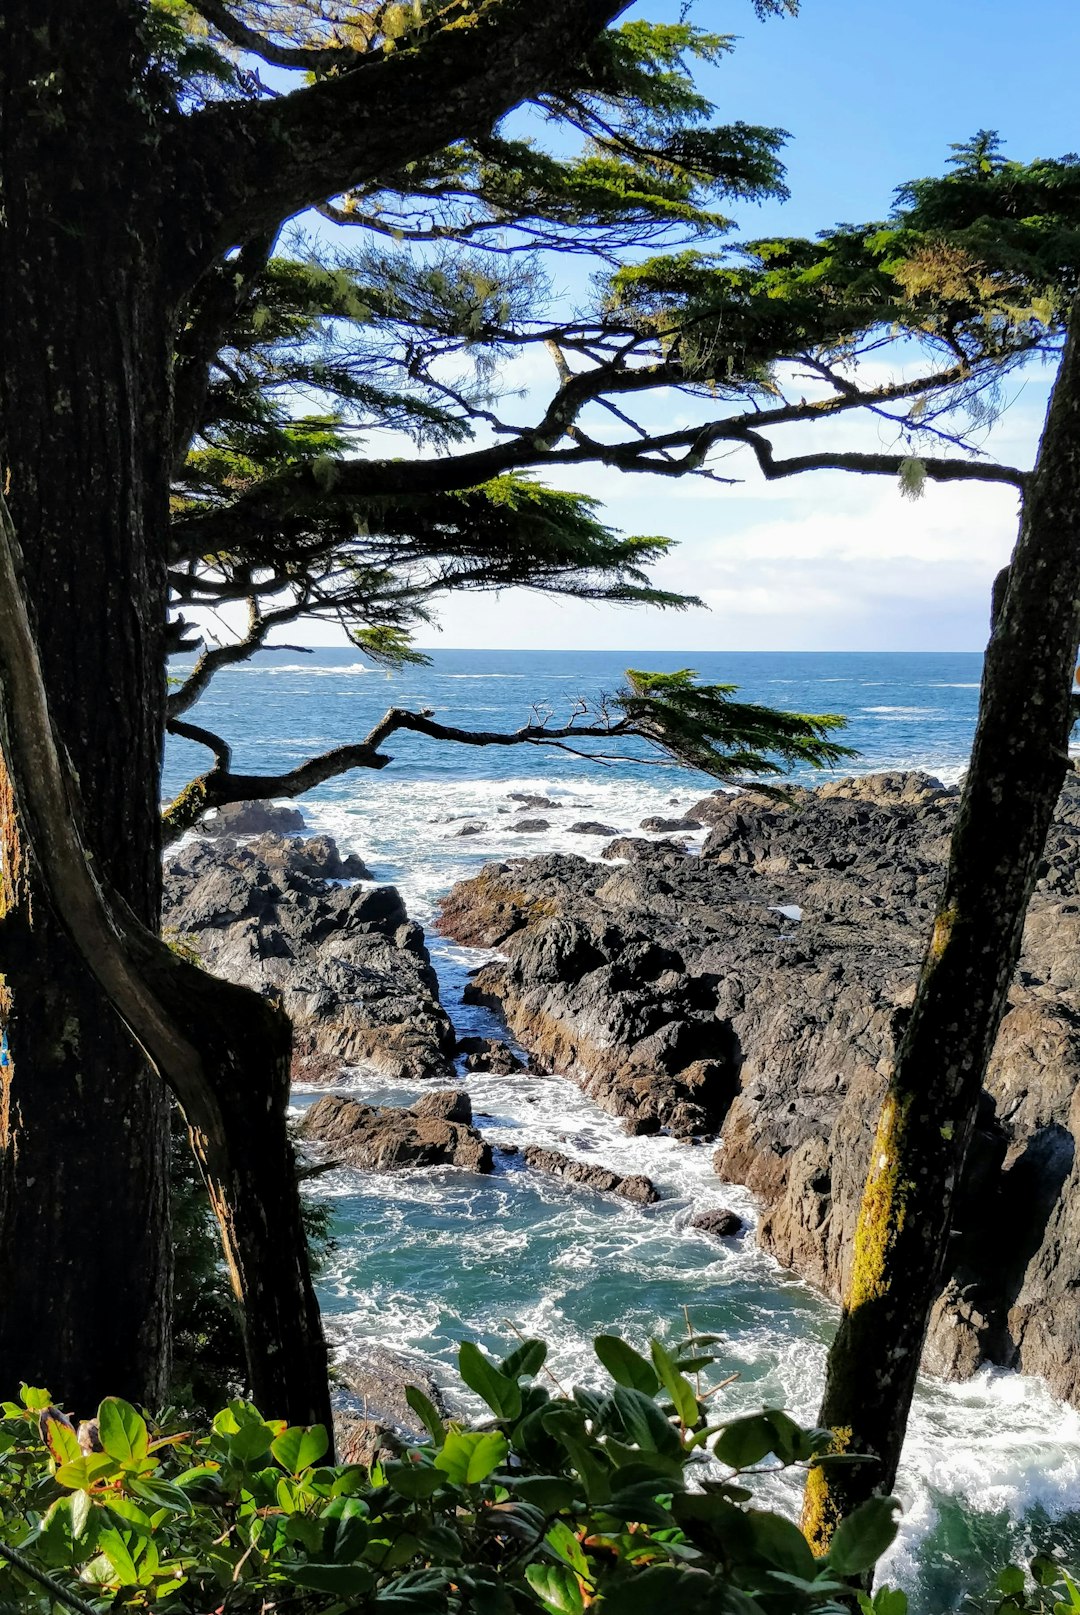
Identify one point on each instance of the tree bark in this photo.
(1018, 763)
(85, 342)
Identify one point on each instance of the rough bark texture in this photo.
(1018, 762)
(82, 456)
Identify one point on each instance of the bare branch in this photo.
(888, 465)
(310, 59)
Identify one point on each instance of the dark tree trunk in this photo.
(1018, 763)
(84, 328)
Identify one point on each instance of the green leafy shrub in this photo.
(632, 1500)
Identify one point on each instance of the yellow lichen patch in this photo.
(884, 1205)
(943, 929)
(821, 1511)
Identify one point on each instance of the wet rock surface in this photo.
(251, 819)
(488, 1054)
(585, 1175)
(378, 1419)
(756, 992)
(387, 1139)
(722, 1224)
(350, 966)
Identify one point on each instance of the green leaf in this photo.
(123, 1431)
(60, 1437)
(550, 1493)
(890, 1601)
(781, 1544)
(470, 1456)
(679, 1389)
(413, 1481)
(625, 1365)
(344, 1581)
(34, 1398)
(116, 1551)
(162, 1494)
(644, 1422)
(563, 1542)
(81, 1473)
(861, 1538)
(745, 1442)
(557, 1588)
(667, 1590)
(427, 1413)
(1010, 1580)
(502, 1394)
(525, 1360)
(300, 1447)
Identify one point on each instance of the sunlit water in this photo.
(425, 1259)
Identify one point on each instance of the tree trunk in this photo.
(1018, 763)
(84, 1251)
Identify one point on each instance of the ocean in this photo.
(427, 1259)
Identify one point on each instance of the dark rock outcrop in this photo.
(656, 823)
(636, 849)
(349, 965)
(379, 1420)
(391, 1140)
(584, 1175)
(450, 1104)
(677, 993)
(487, 1054)
(591, 827)
(722, 1224)
(251, 819)
(528, 800)
(530, 827)
(471, 829)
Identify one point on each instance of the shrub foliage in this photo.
(635, 1498)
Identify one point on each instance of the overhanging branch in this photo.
(887, 465)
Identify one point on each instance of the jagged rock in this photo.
(476, 829)
(251, 819)
(317, 856)
(451, 1104)
(531, 801)
(391, 1140)
(721, 1223)
(656, 823)
(636, 849)
(668, 988)
(376, 1383)
(349, 965)
(586, 1176)
(530, 826)
(486, 1054)
(591, 827)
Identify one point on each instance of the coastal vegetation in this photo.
(184, 394)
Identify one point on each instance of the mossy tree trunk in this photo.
(84, 343)
(1018, 763)
(88, 309)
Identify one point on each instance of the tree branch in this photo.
(309, 58)
(888, 465)
(357, 127)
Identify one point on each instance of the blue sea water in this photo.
(426, 1259)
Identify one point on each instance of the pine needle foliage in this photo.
(703, 726)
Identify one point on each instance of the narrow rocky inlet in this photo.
(749, 996)
(755, 993)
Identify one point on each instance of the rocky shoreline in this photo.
(755, 992)
(749, 996)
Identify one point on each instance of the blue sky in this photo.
(872, 94)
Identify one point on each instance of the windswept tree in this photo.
(147, 170)
(155, 340)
